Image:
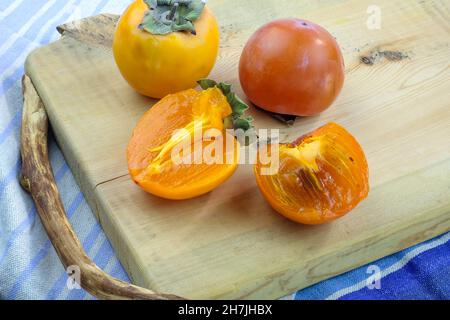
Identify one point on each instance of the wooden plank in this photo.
(229, 243)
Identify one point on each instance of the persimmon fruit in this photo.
(163, 47)
(156, 166)
(320, 176)
(292, 66)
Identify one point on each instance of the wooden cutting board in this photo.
(229, 243)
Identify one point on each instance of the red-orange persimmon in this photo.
(292, 66)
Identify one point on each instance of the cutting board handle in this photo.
(37, 179)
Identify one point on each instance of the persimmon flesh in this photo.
(321, 176)
(173, 122)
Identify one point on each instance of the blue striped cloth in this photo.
(29, 266)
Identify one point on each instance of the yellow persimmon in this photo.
(163, 46)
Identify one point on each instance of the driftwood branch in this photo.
(37, 178)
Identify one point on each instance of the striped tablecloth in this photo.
(29, 266)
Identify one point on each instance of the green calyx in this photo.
(166, 16)
(236, 120)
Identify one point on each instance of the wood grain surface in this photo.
(229, 243)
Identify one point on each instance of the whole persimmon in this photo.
(292, 66)
(163, 47)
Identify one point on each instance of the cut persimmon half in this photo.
(180, 148)
(319, 177)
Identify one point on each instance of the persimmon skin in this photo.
(309, 195)
(157, 65)
(155, 129)
(292, 66)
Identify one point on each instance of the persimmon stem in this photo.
(166, 16)
(173, 11)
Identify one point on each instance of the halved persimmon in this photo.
(180, 148)
(319, 177)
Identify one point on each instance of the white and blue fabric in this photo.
(29, 266)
